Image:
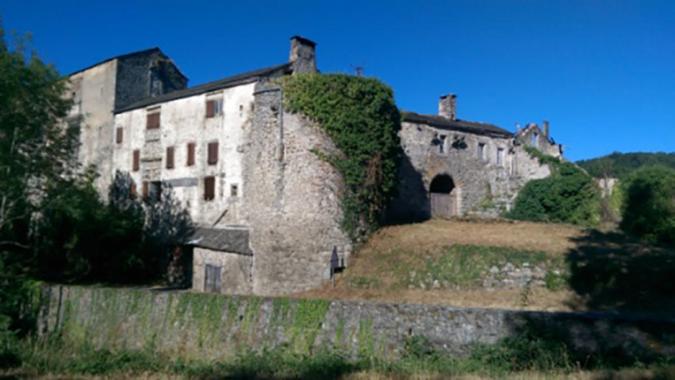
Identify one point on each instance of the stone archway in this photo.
(443, 196)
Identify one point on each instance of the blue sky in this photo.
(602, 72)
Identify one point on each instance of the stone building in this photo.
(267, 209)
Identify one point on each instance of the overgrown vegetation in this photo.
(568, 195)
(361, 118)
(620, 165)
(649, 204)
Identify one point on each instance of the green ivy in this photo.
(360, 116)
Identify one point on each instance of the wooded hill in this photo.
(619, 165)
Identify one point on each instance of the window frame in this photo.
(209, 183)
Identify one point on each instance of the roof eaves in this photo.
(126, 55)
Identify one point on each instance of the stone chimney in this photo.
(546, 129)
(302, 55)
(447, 106)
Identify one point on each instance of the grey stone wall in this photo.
(204, 326)
(485, 185)
(293, 199)
(235, 273)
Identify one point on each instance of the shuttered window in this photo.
(146, 189)
(169, 157)
(152, 121)
(212, 153)
(190, 154)
(136, 164)
(119, 135)
(209, 188)
(214, 107)
(212, 281)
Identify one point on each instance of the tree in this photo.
(649, 204)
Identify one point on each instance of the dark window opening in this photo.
(169, 157)
(119, 135)
(136, 164)
(152, 121)
(442, 184)
(190, 154)
(234, 190)
(441, 144)
(154, 190)
(212, 153)
(209, 188)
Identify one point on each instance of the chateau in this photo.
(268, 209)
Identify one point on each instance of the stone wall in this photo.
(485, 186)
(293, 200)
(235, 270)
(209, 326)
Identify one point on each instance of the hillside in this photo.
(507, 264)
(619, 165)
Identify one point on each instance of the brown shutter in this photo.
(190, 154)
(118, 137)
(145, 189)
(209, 188)
(213, 153)
(152, 121)
(133, 191)
(169, 157)
(136, 165)
(210, 108)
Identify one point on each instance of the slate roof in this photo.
(232, 240)
(235, 80)
(458, 125)
(127, 55)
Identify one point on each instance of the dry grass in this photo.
(379, 265)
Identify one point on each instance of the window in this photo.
(234, 190)
(209, 188)
(169, 157)
(133, 192)
(214, 107)
(152, 190)
(136, 164)
(481, 151)
(212, 153)
(534, 139)
(190, 154)
(145, 189)
(500, 156)
(212, 281)
(152, 121)
(119, 135)
(441, 144)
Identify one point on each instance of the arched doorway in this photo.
(443, 197)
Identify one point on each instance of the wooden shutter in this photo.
(210, 108)
(136, 165)
(169, 157)
(209, 188)
(132, 190)
(212, 153)
(118, 137)
(152, 121)
(190, 154)
(146, 189)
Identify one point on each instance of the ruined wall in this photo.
(485, 184)
(184, 121)
(236, 270)
(210, 326)
(293, 199)
(93, 91)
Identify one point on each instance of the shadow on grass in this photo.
(613, 272)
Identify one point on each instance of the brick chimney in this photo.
(447, 106)
(302, 55)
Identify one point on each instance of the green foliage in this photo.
(649, 209)
(568, 195)
(360, 116)
(620, 165)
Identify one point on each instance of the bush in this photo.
(360, 116)
(569, 195)
(649, 204)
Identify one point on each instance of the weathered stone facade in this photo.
(453, 167)
(268, 209)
